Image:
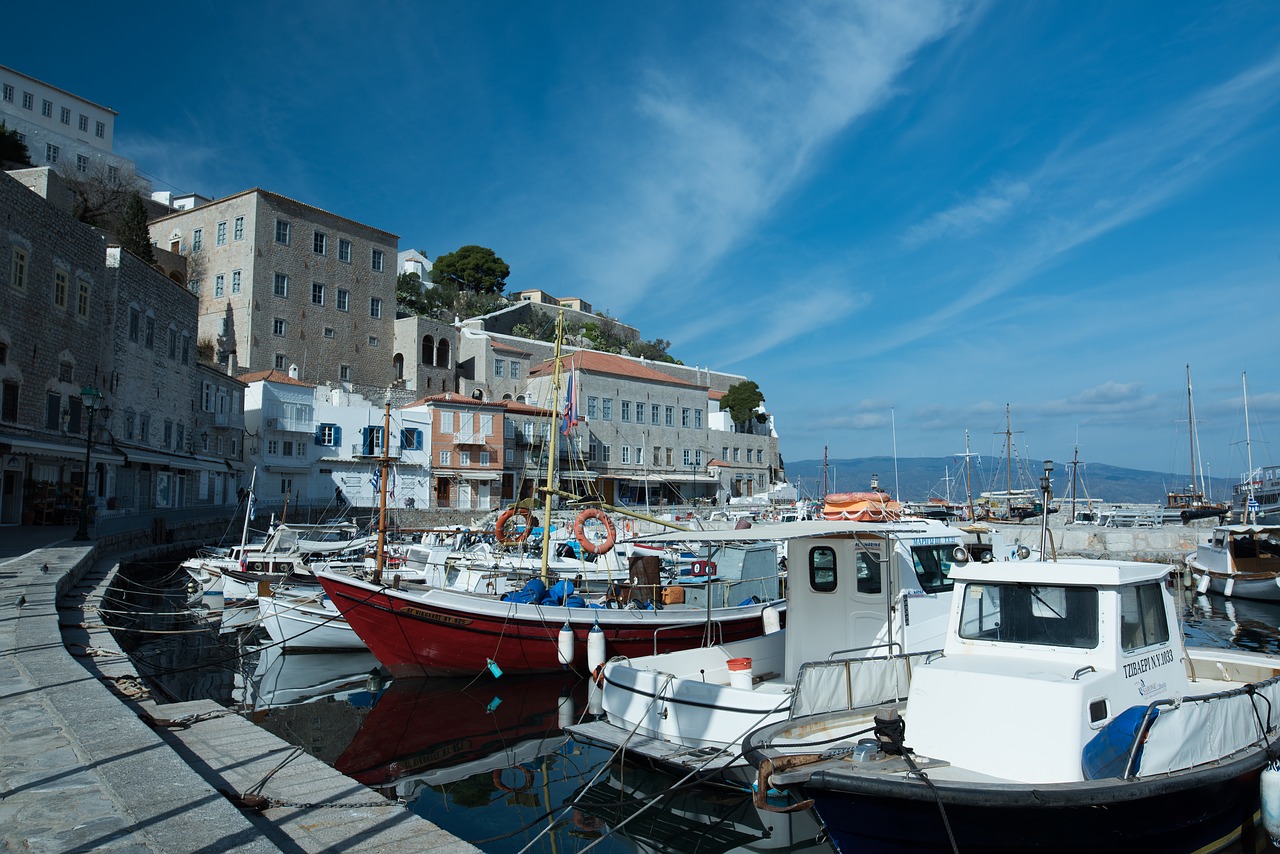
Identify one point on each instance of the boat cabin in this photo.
(1044, 647)
(1246, 549)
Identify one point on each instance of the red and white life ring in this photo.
(611, 533)
(509, 514)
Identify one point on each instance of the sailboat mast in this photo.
(248, 512)
(1249, 515)
(1191, 435)
(381, 555)
(549, 491)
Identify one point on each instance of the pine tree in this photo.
(134, 234)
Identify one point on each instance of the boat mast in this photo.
(549, 489)
(248, 512)
(1075, 467)
(381, 555)
(1191, 435)
(1249, 516)
(824, 472)
(968, 481)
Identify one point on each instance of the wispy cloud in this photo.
(968, 217)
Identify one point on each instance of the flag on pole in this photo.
(251, 503)
(571, 401)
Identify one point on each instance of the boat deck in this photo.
(706, 760)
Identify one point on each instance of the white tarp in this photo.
(1195, 733)
(829, 686)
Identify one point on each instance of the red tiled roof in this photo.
(272, 376)
(595, 362)
(507, 348)
(451, 397)
(715, 394)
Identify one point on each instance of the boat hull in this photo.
(446, 633)
(1259, 589)
(305, 624)
(1211, 816)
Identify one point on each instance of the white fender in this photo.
(564, 644)
(1229, 586)
(772, 619)
(595, 648)
(1269, 790)
(1202, 586)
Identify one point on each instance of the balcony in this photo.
(469, 437)
(288, 425)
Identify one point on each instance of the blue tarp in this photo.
(1107, 752)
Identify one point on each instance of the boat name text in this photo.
(1151, 662)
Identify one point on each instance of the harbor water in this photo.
(487, 758)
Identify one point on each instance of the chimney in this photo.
(293, 372)
(231, 363)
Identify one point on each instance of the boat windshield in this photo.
(933, 566)
(1030, 614)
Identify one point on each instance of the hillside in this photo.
(918, 478)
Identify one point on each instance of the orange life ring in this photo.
(525, 786)
(611, 533)
(509, 514)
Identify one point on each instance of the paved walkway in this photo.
(80, 770)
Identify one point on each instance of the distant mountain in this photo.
(918, 478)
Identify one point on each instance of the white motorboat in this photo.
(305, 619)
(1065, 713)
(1242, 561)
(857, 591)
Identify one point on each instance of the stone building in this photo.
(283, 283)
(424, 359)
(63, 131)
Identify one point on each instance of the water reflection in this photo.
(1228, 622)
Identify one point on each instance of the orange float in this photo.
(611, 533)
(509, 514)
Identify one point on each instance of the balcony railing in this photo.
(288, 425)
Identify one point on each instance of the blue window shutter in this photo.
(366, 440)
(417, 439)
(319, 432)
(337, 436)
(406, 439)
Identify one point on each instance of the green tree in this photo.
(134, 234)
(471, 268)
(409, 293)
(741, 400)
(12, 148)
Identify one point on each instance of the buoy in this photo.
(1269, 790)
(564, 711)
(595, 648)
(564, 644)
(509, 514)
(772, 619)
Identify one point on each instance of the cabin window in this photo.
(1142, 617)
(933, 566)
(1030, 614)
(822, 569)
(868, 572)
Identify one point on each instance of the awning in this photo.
(23, 444)
(577, 475)
(138, 456)
(468, 475)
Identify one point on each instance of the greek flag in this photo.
(252, 501)
(1254, 506)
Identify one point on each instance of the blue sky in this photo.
(896, 217)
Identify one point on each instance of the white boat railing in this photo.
(844, 684)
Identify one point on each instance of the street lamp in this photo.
(92, 400)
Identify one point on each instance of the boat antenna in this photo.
(549, 490)
(381, 554)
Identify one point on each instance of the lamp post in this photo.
(92, 400)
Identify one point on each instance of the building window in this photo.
(446, 458)
(684, 416)
(606, 409)
(377, 260)
(279, 362)
(59, 289)
(144, 428)
(697, 419)
(509, 455)
(328, 332)
(82, 303)
(52, 411)
(287, 450)
(277, 327)
(168, 434)
(671, 416)
(282, 232)
(735, 454)
(222, 233)
(46, 109)
(515, 370)
(100, 130)
(135, 319)
(186, 349)
(28, 101)
(197, 240)
(173, 343)
(593, 408)
(724, 454)
(373, 340)
(688, 457)
(484, 458)
(626, 455)
(150, 334)
(82, 163)
(670, 457)
(653, 413)
(344, 250)
(64, 116)
(329, 434)
(625, 414)
(9, 405)
(8, 93)
(498, 365)
(219, 284)
(238, 233)
(235, 281)
(113, 175)
(606, 453)
(83, 124)
(343, 300)
(50, 152)
(273, 447)
(344, 373)
(318, 242)
(464, 458)
(281, 287)
(194, 286)
(317, 293)
(375, 306)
